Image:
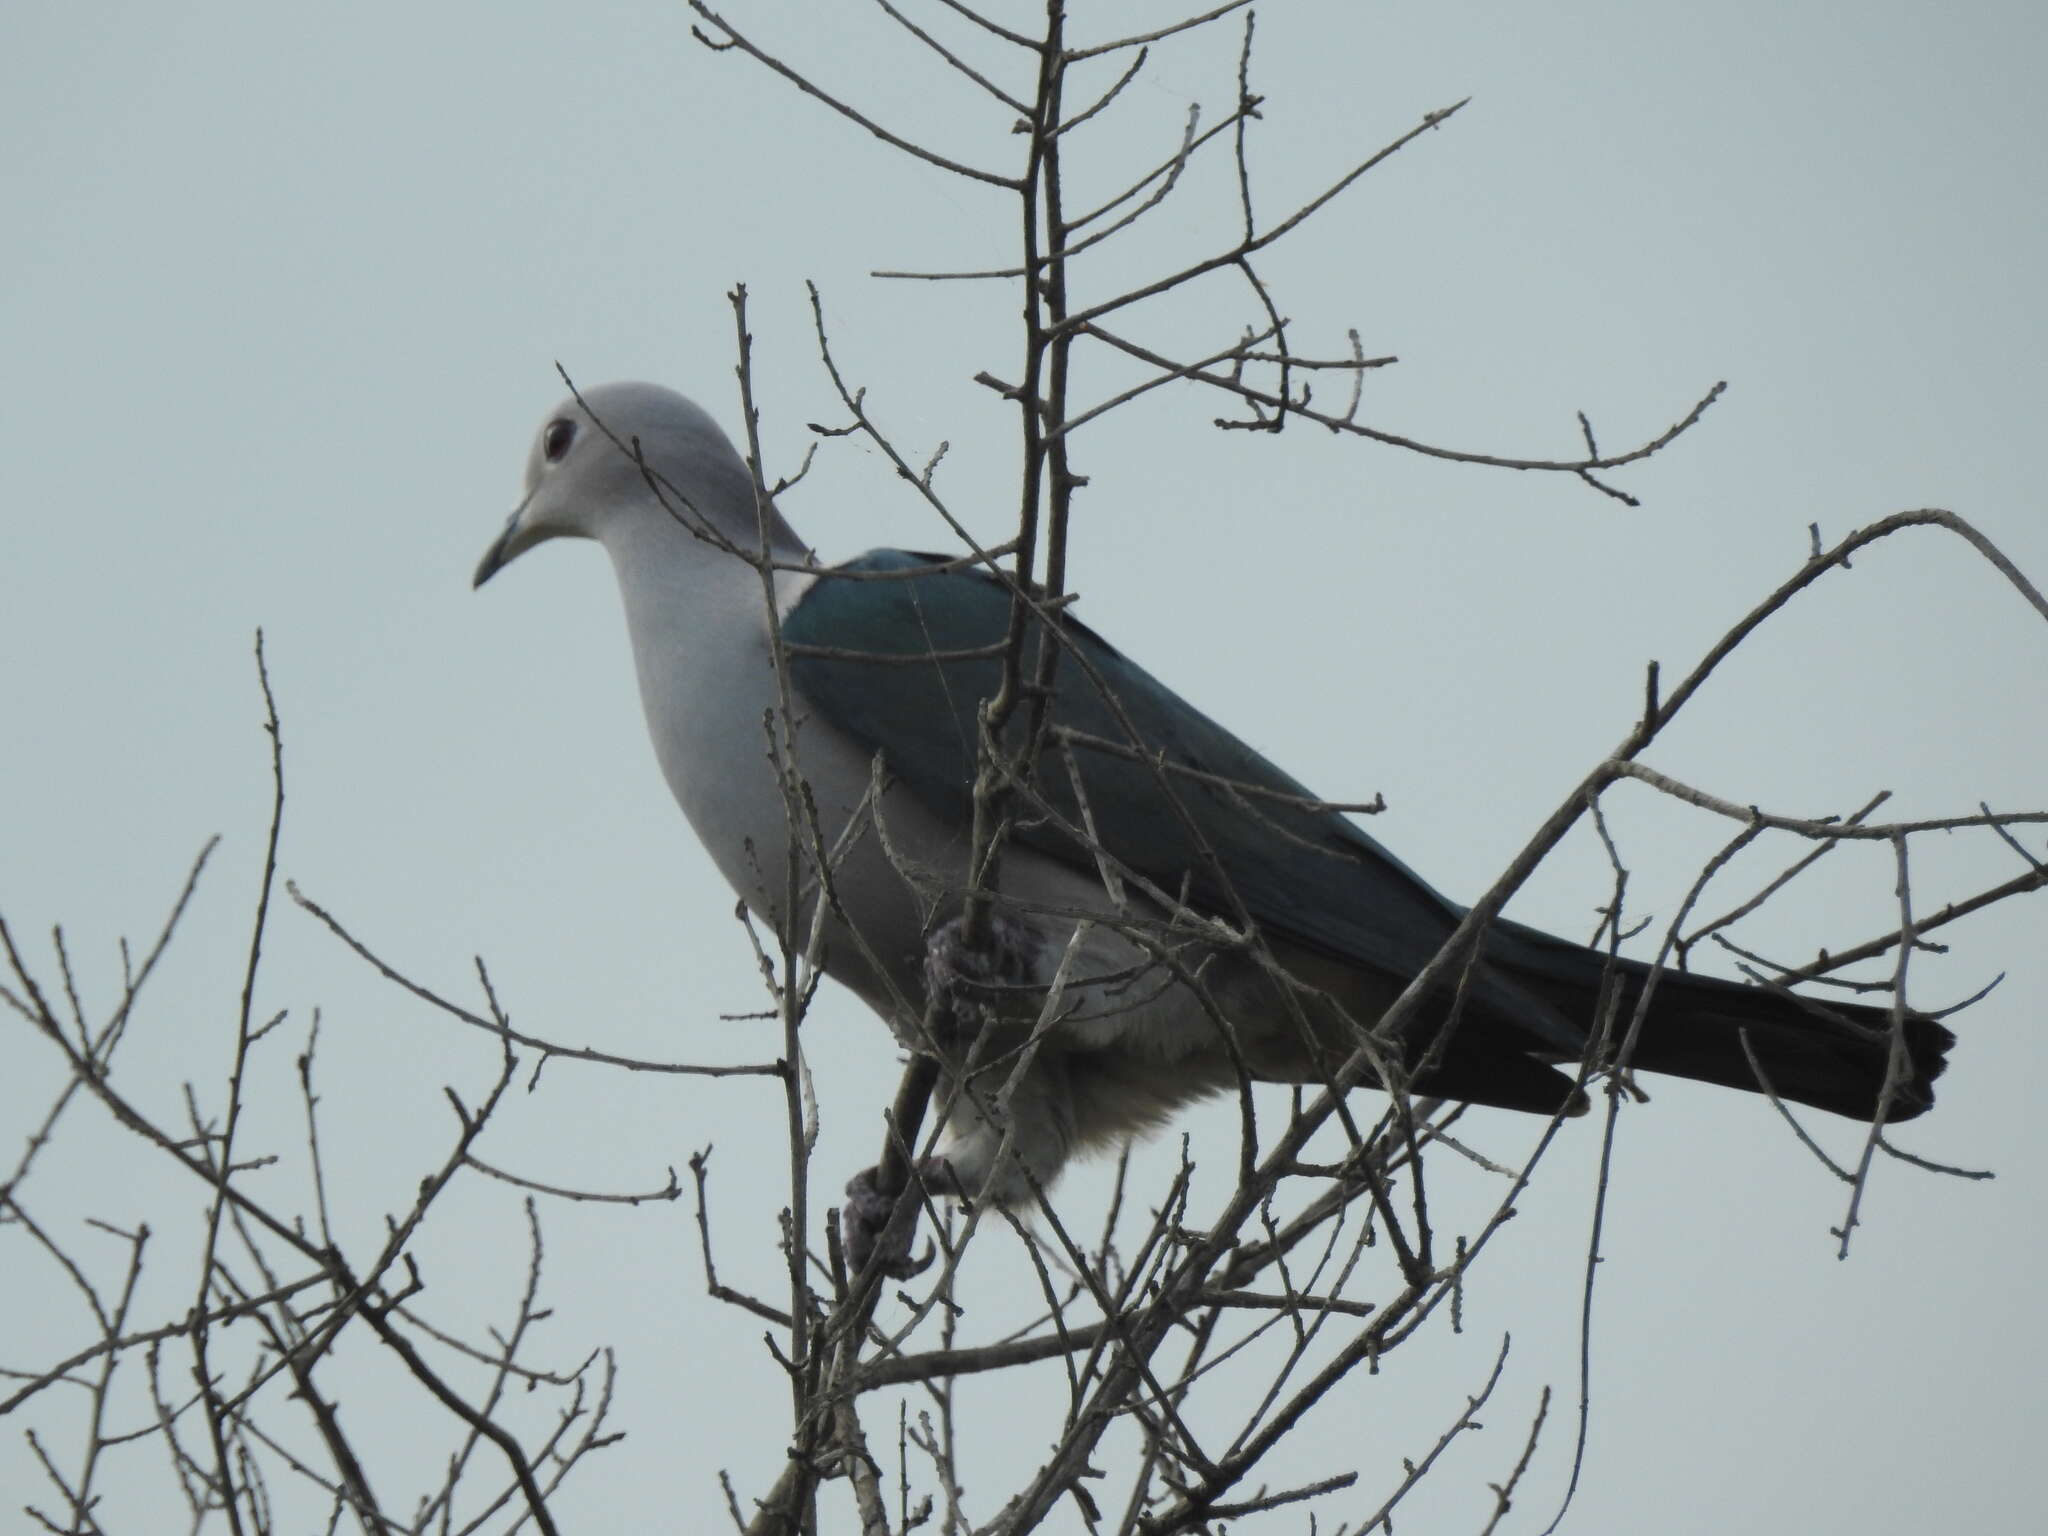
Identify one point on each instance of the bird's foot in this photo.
(881, 1228)
(971, 981)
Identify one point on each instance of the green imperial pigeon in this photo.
(889, 658)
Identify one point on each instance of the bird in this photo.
(820, 728)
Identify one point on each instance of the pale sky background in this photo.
(281, 300)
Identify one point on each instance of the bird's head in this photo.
(625, 453)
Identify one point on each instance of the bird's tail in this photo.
(1844, 1057)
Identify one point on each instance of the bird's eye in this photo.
(556, 440)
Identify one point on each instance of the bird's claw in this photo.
(969, 978)
(868, 1224)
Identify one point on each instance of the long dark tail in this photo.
(1834, 1056)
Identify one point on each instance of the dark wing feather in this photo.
(881, 659)
(899, 656)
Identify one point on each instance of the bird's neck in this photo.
(697, 617)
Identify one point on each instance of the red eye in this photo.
(555, 442)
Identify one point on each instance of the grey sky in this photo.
(283, 293)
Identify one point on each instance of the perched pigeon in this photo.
(1140, 806)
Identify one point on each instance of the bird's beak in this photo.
(503, 550)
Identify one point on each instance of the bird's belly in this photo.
(896, 871)
(894, 868)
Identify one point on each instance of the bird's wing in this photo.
(899, 656)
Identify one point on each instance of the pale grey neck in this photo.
(697, 616)
(691, 606)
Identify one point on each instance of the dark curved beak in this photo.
(501, 553)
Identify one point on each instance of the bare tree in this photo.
(1194, 1339)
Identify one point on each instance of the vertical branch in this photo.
(224, 1166)
(1897, 1066)
(1039, 397)
(792, 988)
(97, 1439)
(1048, 314)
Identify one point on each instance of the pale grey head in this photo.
(628, 452)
